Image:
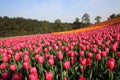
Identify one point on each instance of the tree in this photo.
(58, 25)
(77, 20)
(112, 16)
(85, 18)
(97, 18)
(76, 23)
(118, 15)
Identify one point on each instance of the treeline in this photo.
(19, 26)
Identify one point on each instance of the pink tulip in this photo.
(98, 56)
(40, 60)
(3, 66)
(65, 78)
(104, 54)
(17, 57)
(26, 65)
(89, 55)
(5, 58)
(33, 70)
(66, 64)
(13, 67)
(51, 61)
(81, 53)
(60, 55)
(46, 55)
(48, 76)
(26, 58)
(33, 76)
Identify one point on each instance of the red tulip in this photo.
(48, 76)
(72, 60)
(12, 67)
(83, 61)
(5, 75)
(111, 63)
(66, 64)
(82, 78)
(17, 76)
(118, 54)
(98, 56)
(88, 61)
(104, 54)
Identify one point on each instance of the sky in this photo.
(65, 10)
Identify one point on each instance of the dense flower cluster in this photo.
(91, 55)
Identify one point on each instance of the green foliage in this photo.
(19, 26)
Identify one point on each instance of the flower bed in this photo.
(91, 55)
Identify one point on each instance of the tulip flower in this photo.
(33, 76)
(48, 75)
(26, 58)
(40, 60)
(118, 54)
(51, 61)
(12, 67)
(98, 56)
(66, 64)
(111, 64)
(5, 75)
(82, 78)
(17, 76)
(33, 70)
(83, 61)
(26, 65)
(81, 53)
(89, 55)
(60, 55)
(3, 66)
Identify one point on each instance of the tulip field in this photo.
(88, 55)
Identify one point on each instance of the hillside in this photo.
(92, 27)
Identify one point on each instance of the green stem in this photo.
(61, 70)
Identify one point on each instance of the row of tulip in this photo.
(92, 27)
(92, 55)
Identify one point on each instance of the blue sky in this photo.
(66, 10)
